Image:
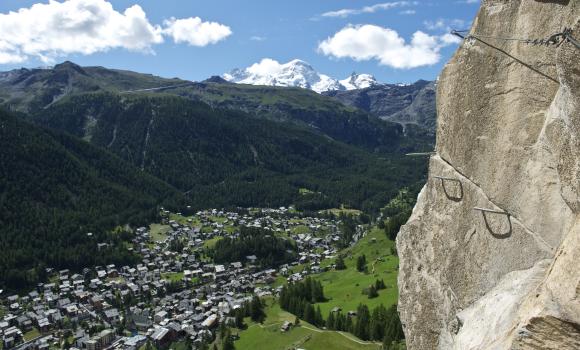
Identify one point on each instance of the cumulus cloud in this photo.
(368, 9)
(50, 30)
(266, 66)
(371, 42)
(195, 32)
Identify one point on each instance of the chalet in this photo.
(210, 322)
(285, 327)
(161, 337)
(112, 316)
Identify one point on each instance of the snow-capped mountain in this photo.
(358, 81)
(296, 73)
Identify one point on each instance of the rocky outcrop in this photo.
(508, 141)
(404, 104)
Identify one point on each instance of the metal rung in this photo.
(445, 178)
(491, 211)
(418, 154)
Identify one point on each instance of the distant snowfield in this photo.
(296, 73)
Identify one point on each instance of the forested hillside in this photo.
(54, 189)
(226, 158)
(321, 113)
(34, 90)
(85, 155)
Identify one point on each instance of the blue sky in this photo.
(242, 33)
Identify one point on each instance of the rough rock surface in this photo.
(508, 139)
(404, 104)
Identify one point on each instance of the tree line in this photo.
(298, 297)
(381, 324)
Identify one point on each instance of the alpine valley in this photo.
(146, 141)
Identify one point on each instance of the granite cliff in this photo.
(508, 142)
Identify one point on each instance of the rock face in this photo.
(404, 104)
(508, 140)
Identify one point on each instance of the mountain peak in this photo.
(359, 81)
(297, 61)
(215, 79)
(68, 65)
(295, 73)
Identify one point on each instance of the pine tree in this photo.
(319, 321)
(393, 328)
(317, 292)
(309, 314)
(361, 328)
(340, 322)
(380, 284)
(361, 263)
(339, 264)
(331, 321)
(372, 292)
(227, 342)
(239, 316)
(348, 324)
(257, 310)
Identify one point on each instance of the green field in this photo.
(300, 229)
(210, 243)
(344, 288)
(172, 276)
(342, 210)
(217, 219)
(31, 334)
(158, 232)
(230, 229)
(306, 336)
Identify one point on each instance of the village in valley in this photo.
(177, 292)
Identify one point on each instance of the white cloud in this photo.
(408, 12)
(257, 38)
(195, 32)
(266, 66)
(50, 30)
(368, 9)
(371, 42)
(445, 24)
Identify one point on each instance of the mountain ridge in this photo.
(408, 104)
(296, 73)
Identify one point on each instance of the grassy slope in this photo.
(344, 288)
(268, 335)
(158, 232)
